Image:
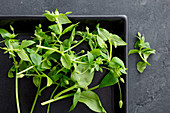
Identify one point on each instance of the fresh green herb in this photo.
(47, 56)
(144, 51)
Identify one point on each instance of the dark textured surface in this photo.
(148, 92)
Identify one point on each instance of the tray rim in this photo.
(87, 16)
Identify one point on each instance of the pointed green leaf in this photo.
(132, 51)
(145, 45)
(141, 66)
(4, 33)
(103, 33)
(115, 62)
(95, 52)
(115, 39)
(36, 81)
(69, 28)
(101, 42)
(63, 19)
(108, 80)
(92, 101)
(66, 61)
(26, 43)
(90, 57)
(51, 17)
(55, 28)
(75, 99)
(36, 58)
(22, 54)
(82, 75)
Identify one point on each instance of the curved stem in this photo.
(48, 108)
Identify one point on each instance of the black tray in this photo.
(25, 26)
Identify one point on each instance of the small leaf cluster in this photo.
(144, 51)
(47, 56)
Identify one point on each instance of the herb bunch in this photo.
(144, 51)
(47, 56)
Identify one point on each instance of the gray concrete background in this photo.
(148, 92)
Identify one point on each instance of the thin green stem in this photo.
(93, 88)
(66, 90)
(75, 45)
(43, 47)
(36, 97)
(38, 48)
(25, 70)
(48, 108)
(56, 99)
(110, 50)
(106, 68)
(80, 57)
(42, 89)
(80, 62)
(16, 88)
(16, 93)
(120, 91)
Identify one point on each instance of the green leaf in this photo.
(55, 28)
(10, 72)
(115, 62)
(30, 50)
(72, 35)
(117, 41)
(46, 64)
(66, 61)
(36, 58)
(132, 51)
(26, 43)
(22, 54)
(95, 52)
(108, 80)
(104, 55)
(82, 75)
(146, 52)
(92, 101)
(141, 66)
(103, 33)
(145, 45)
(75, 99)
(90, 57)
(101, 42)
(49, 80)
(63, 19)
(69, 28)
(36, 81)
(137, 44)
(50, 16)
(4, 33)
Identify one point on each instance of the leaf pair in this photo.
(144, 51)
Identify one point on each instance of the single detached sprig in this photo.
(144, 51)
(47, 56)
